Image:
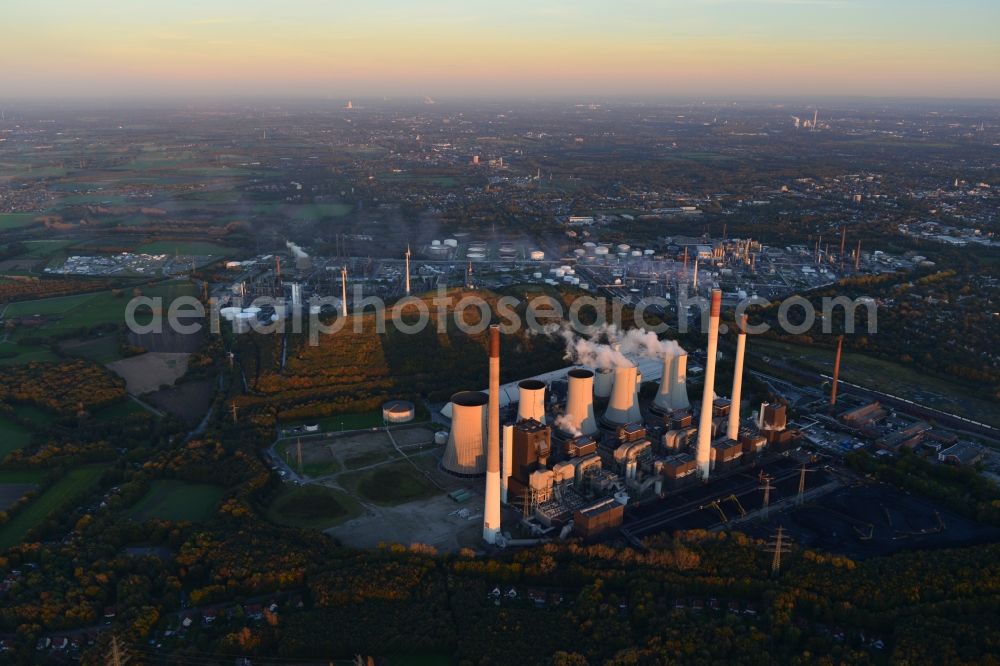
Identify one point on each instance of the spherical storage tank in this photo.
(398, 411)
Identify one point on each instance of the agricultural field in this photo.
(311, 507)
(168, 499)
(343, 422)
(148, 372)
(65, 493)
(187, 248)
(16, 220)
(66, 314)
(12, 436)
(12, 353)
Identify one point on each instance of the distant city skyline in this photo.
(883, 48)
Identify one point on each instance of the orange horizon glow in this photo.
(377, 53)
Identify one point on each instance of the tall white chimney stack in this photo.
(704, 451)
(491, 514)
(734, 407)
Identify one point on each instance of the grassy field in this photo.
(12, 436)
(120, 410)
(16, 220)
(319, 211)
(70, 313)
(12, 353)
(886, 376)
(312, 507)
(289, 452)
(99, 350)
(63, 495)
(338, 422)
(22, 475)
(390, 484)
(45, 248)
(168, 499)
(192, 248)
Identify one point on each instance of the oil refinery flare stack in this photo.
(531, 400)
(465, 453)
(623, 407)
(491, 513)
(704, 451)
(580, 403)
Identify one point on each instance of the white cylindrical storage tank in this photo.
(440, 437)
(466, 450)
(435, 243)
(648, 253)
(398, 411)
(603, 382)
(451, 242)
(537, 275)
(624, 247)
(623, 407)
(579, 252)
(537, 255)
(636, 253)
(601, 251)
(531, 400)
(579, 419)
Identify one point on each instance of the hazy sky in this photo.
(392, 47)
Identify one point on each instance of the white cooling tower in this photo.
(704, 450)
(678, 382)
(664, 400)
(604, 381)
(580, 403)
(466, 450)
(623, 407)
(531, 400)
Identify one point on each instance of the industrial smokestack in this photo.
(491, 514)
(624, 404)
(604, 381)
(734, 406)
(579, 418)
(836, 371)
(343, 291)
(704, 451)
(407, 256)
(531, 400)
(465, 453)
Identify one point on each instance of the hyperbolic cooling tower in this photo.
(704, 451)
(580, 402)
(623, 407)
(664, 399)
(678, 382)
(531, 400)
(466, 450)
(491, 510)
(603, 382)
